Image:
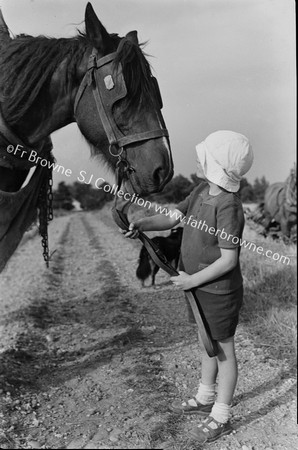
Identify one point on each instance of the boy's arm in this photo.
(154, 223)
(226, 262)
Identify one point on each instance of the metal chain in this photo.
(46, 213)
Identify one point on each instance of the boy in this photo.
(209, 262)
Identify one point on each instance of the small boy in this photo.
(209, 262)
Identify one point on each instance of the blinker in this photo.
(110, 83)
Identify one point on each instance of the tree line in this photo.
(67, 196)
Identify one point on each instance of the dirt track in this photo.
(89, 360)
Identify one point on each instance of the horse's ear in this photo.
(4, 33)
(133, 37)
(95, 31)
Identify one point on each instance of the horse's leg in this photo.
(266, 224)
(154, 272)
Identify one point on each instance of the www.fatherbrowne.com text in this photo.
(100, 183)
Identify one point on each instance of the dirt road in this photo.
(88, 359)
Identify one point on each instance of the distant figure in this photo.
(169, 246)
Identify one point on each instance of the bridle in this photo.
(108, 86)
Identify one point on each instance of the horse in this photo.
(280, 204)
(101, 81)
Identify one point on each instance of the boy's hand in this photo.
(183, 281)
(132, 232)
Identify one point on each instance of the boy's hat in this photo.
(225, 157)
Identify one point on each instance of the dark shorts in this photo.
(221, 312)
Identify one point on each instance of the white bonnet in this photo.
(225, 156)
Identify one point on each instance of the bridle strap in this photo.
(144, 136)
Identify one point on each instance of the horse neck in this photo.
(34, 126)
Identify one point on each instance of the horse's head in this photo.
(117, 108)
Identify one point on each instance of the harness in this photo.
(12, 159)
(12, 147)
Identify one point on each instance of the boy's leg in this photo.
(227, 371)
(203, 401)
(206, 390)
(217, 424)
(209, 368)
(227, 379)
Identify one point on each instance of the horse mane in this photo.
(28, 63)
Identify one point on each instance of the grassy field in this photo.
(270, 306)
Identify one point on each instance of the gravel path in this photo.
(90, 360)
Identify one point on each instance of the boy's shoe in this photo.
(210, 429)
(177, 407)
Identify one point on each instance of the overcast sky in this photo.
(221, 64)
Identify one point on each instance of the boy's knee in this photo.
(226, 349)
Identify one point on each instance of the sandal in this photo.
(178, 408)
(210, 429)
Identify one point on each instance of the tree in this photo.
(62, 198)
(89, 197)
(260, 187)
(247, 194)
(246, 191)
(175, 191)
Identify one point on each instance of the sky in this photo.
(220, 64)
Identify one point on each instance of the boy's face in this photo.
(200, 173)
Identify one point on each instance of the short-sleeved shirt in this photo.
(211, 223)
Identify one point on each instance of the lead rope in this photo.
(120, 217)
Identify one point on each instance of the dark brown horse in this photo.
(280, 204)
(101, 81)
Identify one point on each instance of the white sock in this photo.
(206, 394)
(221, 412)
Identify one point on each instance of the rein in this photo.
(120, 217)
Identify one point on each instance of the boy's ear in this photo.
(95, 31)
